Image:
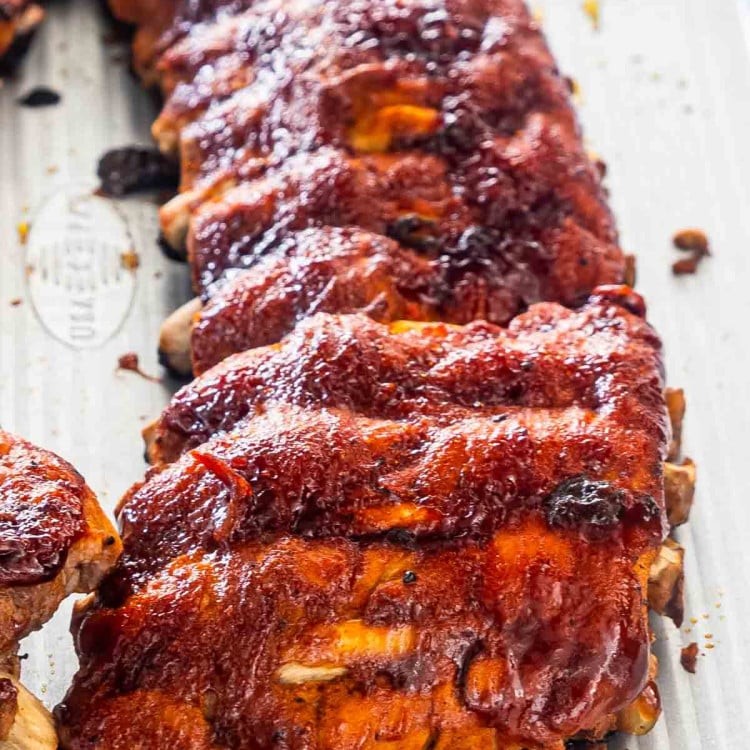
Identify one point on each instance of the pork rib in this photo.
(379, 533)
(54, 541)
(369, 533)
(444, 126)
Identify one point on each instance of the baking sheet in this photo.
(664, 97)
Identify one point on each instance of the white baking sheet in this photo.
(665, 98)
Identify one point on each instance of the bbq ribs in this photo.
(391, 537)
(415, 497)
(442, 131)
(54, 541)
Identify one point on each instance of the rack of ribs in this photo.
(415, 497)
(54, 541)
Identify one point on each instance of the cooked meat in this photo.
(162, 22)
(54, 541)
(534, 363)
(364, 533)
(422, 535)
(443, 126)
(54, 537)
(527, 638)
(349, 270)
(476, 270)
(18, 19)
(506, 208)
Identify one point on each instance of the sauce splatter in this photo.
(130, 260)
(134, 168)
(688, 657)
(593, 11)
(692, 241)
(130, 362)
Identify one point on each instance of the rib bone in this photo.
(174, 338)
(666, 582)
(679, 490)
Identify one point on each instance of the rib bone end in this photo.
(666, 582)
(174, 338)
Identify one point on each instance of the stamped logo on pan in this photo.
(80, 283)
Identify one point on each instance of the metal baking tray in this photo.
(664, 96)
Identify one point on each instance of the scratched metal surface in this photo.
(665, 99)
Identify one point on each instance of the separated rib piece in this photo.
(54, 541)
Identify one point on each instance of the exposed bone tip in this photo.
(297, 674)
(676, 405)
(174, 338)
(666, 582)
(642, 714)
(174, 218)
(679, 490)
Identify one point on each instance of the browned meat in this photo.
(54, 537)
(347, 270)
(444, 126)
(336, 644)
(381, 535)
(421, 535)
(54, 540)
(474, 269)
(320, 270)
(8, 706)
(512, 238)
(536, 362)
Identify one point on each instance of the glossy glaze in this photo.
(525, 639)
(368, 537)
(408, 535)
(601, 358)
(41, 512)
(444, 125)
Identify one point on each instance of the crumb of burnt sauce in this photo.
(133, 168)
(129, 361)
(597, 504)
(170, 252)
(692, 241)
(130, 260)
(689, 657)
(15, 302)
(40, 96)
